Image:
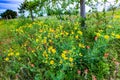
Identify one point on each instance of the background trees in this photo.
(29, 6)
(59, 7)
(8, 14)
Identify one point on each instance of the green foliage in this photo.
(9, 14)
(52, 50)
(30, 6)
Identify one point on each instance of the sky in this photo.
(9, 4)
(14, 4)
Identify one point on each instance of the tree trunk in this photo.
(82, 13)
(31, 13)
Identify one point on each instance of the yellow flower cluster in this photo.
(117, 16)
(98, 34)
(81, 45)
(6, 59)
(45, 54)
(106, 37)
(67, 39)
(71, 59)
(117, 36)
(52, 62)
(64, 55)
(44, 40)
(51, 49)
(76, 36)
(37, 40)
(12, 53)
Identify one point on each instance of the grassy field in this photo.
(51, 49)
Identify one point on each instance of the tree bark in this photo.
(82, 13)
(31, 13)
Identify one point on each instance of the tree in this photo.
(29, 6)
(8, 14)
(82, 12)
(82, 8)
(21, 9)
(32, 6)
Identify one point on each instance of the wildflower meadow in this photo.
(48, 49)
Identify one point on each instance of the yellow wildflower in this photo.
(106, 37)
(65, 58)
(80, 32)
(52, 62)
(98, 34)
(71, 59)
(72, 32)
(51, 30)
(62, 33)
(17, 54)
(11, 54)
(50, 41)
(117, 16)
(66, 33)
(33, 51)
(50, 48)
(56, 36)
(45, 54)
(81, 45)
(37, 40)
(76, 36)
(61, 26)
(63, 55)
(40, 31)
(6, 59)
(30, 26)
(113, 34)
(45, 40)
(75, 28)
(100, 30)
(117, 36)
(53, 50)
(65, 51)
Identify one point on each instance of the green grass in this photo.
(25, 45)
